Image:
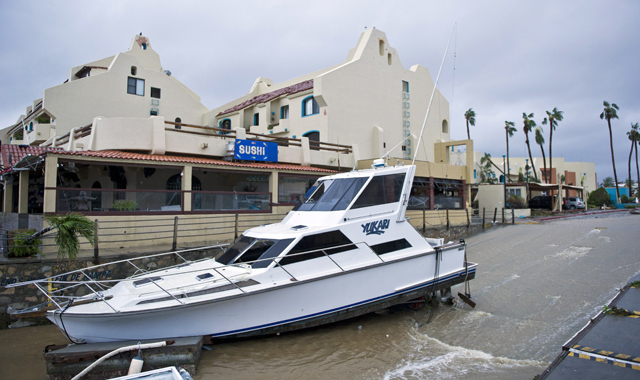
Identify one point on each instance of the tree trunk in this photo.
(637, 169)
(38, 234)
(631, 156)
(535, 175)
(544, 162)
(613, 161)
(550, 140)
(468, 135)
(508, 169)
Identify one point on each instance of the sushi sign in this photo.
(256, 150)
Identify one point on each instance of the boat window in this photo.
(274, 251)
(254, 251)
(234, 251)
(248, 249)
(390, 246)
(330, 242)
(146, 281)
(333, 195)
(381, 190)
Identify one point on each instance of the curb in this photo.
(584, 214)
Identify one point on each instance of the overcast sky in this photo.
(511, 56)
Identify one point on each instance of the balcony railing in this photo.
(158, 201)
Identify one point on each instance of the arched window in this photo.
(96, 202)
(224, 124)
(314, 139)
(445, 126)
(310, 106)
(174, 184)
(178, 120)
(134, 70)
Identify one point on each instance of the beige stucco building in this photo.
(131, 84)
(370, 100)
(122, 138)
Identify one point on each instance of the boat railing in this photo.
(324, 253)
(62, 289)
(61, 292)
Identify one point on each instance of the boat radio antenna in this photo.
(435, 84)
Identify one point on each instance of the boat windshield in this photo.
(248, 249)
(333, 194)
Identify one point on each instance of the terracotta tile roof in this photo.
(298, 87)
(120, 155)
(12, 153)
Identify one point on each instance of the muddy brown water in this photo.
(536, 286)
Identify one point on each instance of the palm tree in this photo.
(552, 118)
(608, 114)
(68, 227)
(470, 116)
(540, 141)
(486, 174)
(633, 136)
(529, 124)
(509, 129)
(607, 182)
(637, 169)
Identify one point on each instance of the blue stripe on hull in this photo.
(292, 320)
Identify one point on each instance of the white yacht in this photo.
(346, 251)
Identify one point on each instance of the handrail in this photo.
(58, 298)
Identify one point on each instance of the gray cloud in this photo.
(511, 57)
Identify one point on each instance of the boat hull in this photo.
(297, 305)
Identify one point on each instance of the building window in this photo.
(155, 92)
(135, 86)
(292, 189)
(134, 70)
(445, 126)
(405, 86)
(389, 59)
(314, 139)
(284, 112)
(310, 106)
(178, 120)
(224, 124)
(381, 46)
(256, 119)
(144, 46)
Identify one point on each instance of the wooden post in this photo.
(96, 250)
(424, 221)
(236, 228)
(503, 215)
(495, 214)
(483, 218)
(448, 220)
(174, 247)
(468, 220)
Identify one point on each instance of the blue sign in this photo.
(256, 150)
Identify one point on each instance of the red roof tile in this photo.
(12, 153)
(298, 87)
(119, 155)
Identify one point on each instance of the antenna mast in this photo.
(435, 84)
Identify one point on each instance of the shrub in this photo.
(599, 197)
(630, 206)
(624, 198)
(515, 201)
(18, 246)
(125, 205)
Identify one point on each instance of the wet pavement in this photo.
(537, 285)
